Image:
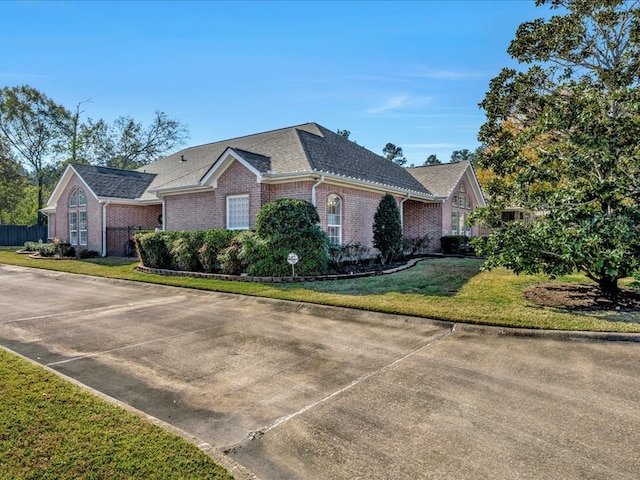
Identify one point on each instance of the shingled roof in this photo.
(114, 182)
(440, 179)
(307, 148)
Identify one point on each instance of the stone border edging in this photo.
(296, 279)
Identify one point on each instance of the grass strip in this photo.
(50, 428)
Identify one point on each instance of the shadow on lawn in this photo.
(431, 277)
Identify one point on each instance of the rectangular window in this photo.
(83, 227)
(238, 212)
(73, 228)
(334, 234)
(454, 223)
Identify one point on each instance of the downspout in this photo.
(164, 217)
(313, 190)
(402, 211)
(104, 228)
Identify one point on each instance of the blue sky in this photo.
(411, 73)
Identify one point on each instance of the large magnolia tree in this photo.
(562, 140)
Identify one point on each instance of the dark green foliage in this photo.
(84, 253)
(213, 242)
(561, 139)
(387, 229)
(286, 216)
(451, 244)
(414, 245)
(154, 249)
(348, 254)
(284, 226)
(184, 250)
(232, 259)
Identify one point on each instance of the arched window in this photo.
(334, 219)
(78, 217)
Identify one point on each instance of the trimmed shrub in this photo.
(233, 259)
(154, 249)
(284, 226)
(184, 250)
(84, 253)
(387, 229)
(286, 216)
(455, 244)
(213, 243)
(348, 254)
(413, 245)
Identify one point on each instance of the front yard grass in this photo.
(50, 428)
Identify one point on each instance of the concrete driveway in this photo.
(295, 391)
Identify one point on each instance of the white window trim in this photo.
(337, 226)
(229, 201)
(73, 231)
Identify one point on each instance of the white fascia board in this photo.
(52, 202)
(128, 201)
(222, 163)
(475, 185)
(349, 182)
(163, 192)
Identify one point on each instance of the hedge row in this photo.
(282, 227)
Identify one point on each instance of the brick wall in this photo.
(421, 219)
(145, 216)
(193, 211)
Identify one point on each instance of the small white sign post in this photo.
(292, 258)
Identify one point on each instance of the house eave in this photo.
(350, 182)
(128, 201)
(179, 190)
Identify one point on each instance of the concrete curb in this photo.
(564, 335)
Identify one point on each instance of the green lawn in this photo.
(52, 429)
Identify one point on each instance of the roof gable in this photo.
(443, 178)
(257, 164)
(114, 182)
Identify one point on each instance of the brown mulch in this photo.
(582, 297)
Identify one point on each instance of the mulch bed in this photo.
(581, 297)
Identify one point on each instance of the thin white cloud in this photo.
(399, 102)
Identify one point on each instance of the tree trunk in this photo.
(609, 285)
(41, 217)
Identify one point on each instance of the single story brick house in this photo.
(458, 185)
(224, 184)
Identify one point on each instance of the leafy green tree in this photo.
(561, 140)
(464, 155)
(432, 160)
(343, 133)
(394, 154)
(36, 129)
(387, 229)
(13, 185)
(128, 144)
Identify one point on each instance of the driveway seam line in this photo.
(257, 433)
